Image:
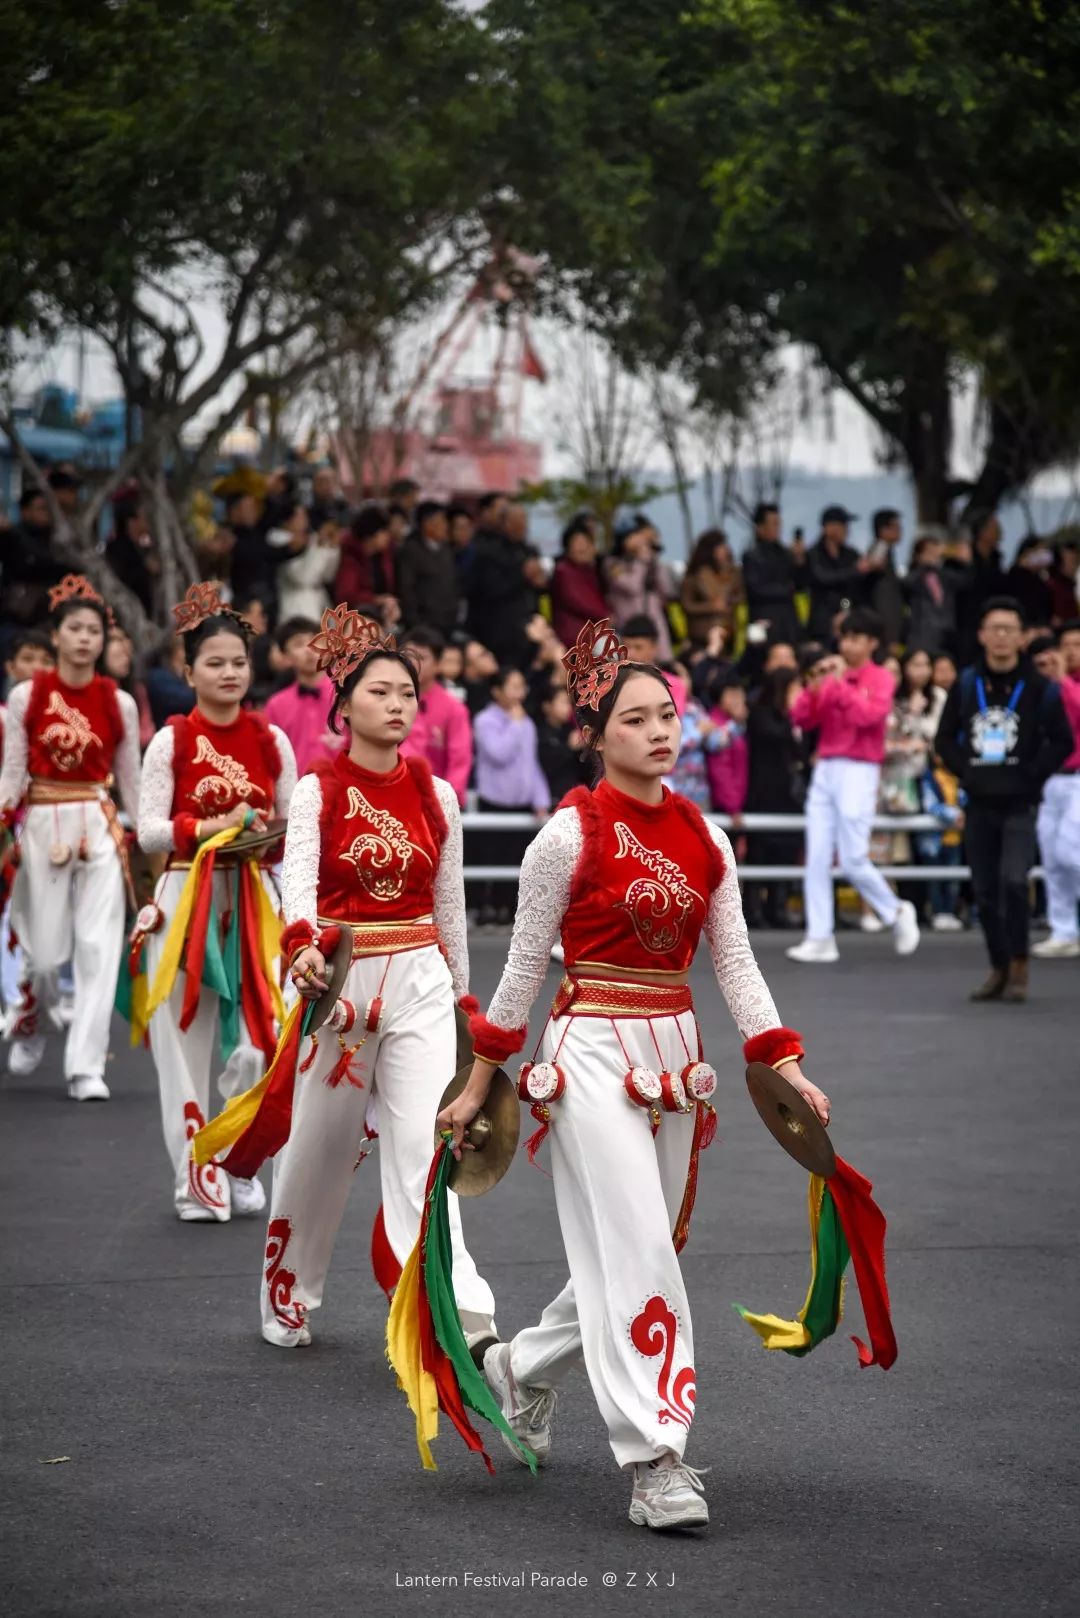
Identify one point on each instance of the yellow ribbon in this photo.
(239, 1112)
(269, 930)
(773, 1331)
(169, 965)
(405, 1355)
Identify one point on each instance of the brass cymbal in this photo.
(339, 964)
(791, 1120)
(493, 1132)
(250, 842)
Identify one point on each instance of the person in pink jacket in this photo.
(847, 700)
(442, 732)
(302, 710)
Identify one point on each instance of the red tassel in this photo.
(542, 1114)
(342, 1070)
(708, 1127)
(864, 1227)
(309, 1059)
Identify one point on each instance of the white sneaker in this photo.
(946, 923)
(248, 1196)
(281, 1337)
(906, 929)
(529, 1412)
(819, 951)
(1057, 949)
(88, 1087)
(667, 1494)
(869, 923)
(25, 1053)
(197, 1213)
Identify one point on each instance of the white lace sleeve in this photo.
(13, 777)
(450, 892)
(286, 781)
(543, 895)
(156, 795)
(737, 970)
(303, 846)
(127, 766)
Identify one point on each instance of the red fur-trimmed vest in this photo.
(72, 732)
(215, 767)
(381, 838)
(641, 889)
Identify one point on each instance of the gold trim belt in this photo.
(386, 937)
(598, 997)
(44, 791)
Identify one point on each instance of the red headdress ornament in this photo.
(592, 664)
(77, 587)
(203, 601)
(345, 639)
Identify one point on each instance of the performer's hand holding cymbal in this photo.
(461, 1112)
(792, 1072)
(308, 972)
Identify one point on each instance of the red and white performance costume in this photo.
(630, 887)
(383, 853)
(64, 745)
(195, 770)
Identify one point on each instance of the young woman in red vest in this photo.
(630, 875)
(69, 733)
(375, 841)
(217, 768)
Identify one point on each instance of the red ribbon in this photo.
(255, 999)
(269, 1129)
(864, 1228)
(384, 1262)
(195, 955)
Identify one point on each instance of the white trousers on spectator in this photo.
(618, 1193)
(72, 912)
(186, 1058)
(1058, 827)
(405, 1066)
(840, 809)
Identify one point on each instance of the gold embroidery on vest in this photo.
(231, 780)
(374, 853)
(67, 741)
(658, 904)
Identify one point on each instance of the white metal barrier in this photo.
(472, 821)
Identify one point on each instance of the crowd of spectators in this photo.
(488, 618)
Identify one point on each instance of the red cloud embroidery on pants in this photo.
(279, 1281)
(653, 1332)
(203, 1182)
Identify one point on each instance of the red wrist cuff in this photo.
(774, 1045)
(328, 941)
(494, 1044)
(184, 835)
(295, 937)
(469, 1004)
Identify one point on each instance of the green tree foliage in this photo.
(893, 182)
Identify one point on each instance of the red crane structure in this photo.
(459, 437)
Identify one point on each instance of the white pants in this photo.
(185, 1059)
(618, 1193)
(840, 809)
(405, 1065)
(72, 912)
(1058, 827)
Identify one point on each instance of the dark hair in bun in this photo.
(64, 609)
(219, 623)
(352, 679)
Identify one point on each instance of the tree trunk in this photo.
(925, 433)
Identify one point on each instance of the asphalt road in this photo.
(158, 1458)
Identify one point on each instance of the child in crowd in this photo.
(302, 710)
(560, 744)
(728, 755)
(944, 798)
(28, 651)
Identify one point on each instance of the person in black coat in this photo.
(771, 577)
(131, 552)
(560, 744)
(837, 573)
(985, 578)
(427, 572)
(776, 786)
(501, 598)
(932, 591)
(1003, 732)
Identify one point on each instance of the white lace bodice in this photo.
(544, 894)
(300, 873)
(14, 777)
(158, 786)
